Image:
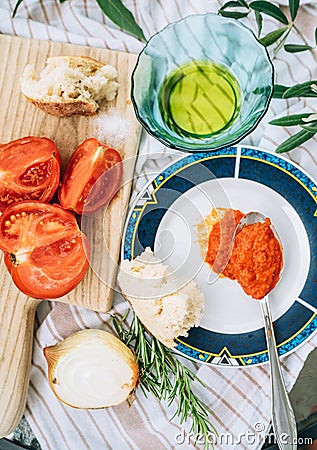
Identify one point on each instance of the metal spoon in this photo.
(283, 417)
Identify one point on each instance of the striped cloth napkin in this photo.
(239, 399)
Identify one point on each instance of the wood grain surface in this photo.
(18, 118)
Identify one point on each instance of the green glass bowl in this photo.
(203, 38)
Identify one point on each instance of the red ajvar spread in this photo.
(254, 259)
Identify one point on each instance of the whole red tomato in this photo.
(92, 177)
(29, 170)
(45, 252)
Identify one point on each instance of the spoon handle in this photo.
(283, 417)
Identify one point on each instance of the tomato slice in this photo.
(45, 252)
(92, 177)
(29, 170)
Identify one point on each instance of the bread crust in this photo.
(65, 108)
(74, 106)
(79, 61)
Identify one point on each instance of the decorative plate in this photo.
(167, 217)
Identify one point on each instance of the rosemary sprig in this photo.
(165, 377)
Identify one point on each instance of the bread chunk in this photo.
(70, 85)
(164, 308)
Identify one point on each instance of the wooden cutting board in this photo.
(18, 118)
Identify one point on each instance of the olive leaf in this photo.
(259, 22)
(233, 14)
(291, 120)
(18, 3)
(293, 8)
(231, 4)
(279, 90)
(295, 141)
(117, 12)
(273, 36)
(270, 9)
(311, 118)
(295, 48)
(282, 41)
(243, 3)
(310, 127)
(227, 11)
(309, 89)
(301, 90)
(121, 16)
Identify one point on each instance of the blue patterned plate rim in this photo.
(299, 322)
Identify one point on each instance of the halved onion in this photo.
(91, 369)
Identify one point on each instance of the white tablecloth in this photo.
(239, 399)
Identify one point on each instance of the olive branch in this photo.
(116, 11)
(238, 9)
(306, 121)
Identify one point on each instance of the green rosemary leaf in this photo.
(295, 119)
(273, 36)
(121, 16)
(316, 36)
(279, 90)
(165, 377)
(259, 22)
(270, 9)
(294, 141)
(62, 1)
(18, 3)
(296, 48)
(118, 328)
(301, 90)
(293, 8)
(233, 14)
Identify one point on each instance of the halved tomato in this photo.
(29, 170)
(92, 177)
(45, 252)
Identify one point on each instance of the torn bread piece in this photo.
(70, 85)
(166, 309)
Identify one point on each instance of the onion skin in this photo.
(91, 369)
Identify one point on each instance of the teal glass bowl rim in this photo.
(203, 147)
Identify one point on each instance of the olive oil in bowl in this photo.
(199, 99)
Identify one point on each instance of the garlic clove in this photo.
(91, 369)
